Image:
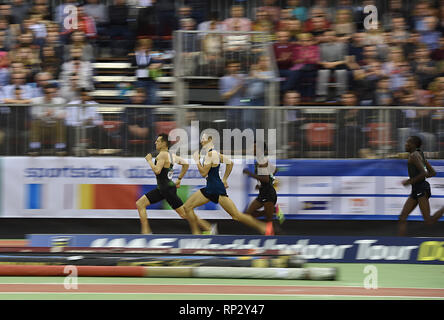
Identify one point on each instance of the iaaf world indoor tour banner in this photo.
(72, 187)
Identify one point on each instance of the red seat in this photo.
(319, 134)
(379, 134)
(164, 126)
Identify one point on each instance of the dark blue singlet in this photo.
(215, 187)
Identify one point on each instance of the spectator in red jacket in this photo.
(283, 53)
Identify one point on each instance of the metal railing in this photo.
(297, 131)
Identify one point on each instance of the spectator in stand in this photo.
(214, 24)
(412, 44)
(99, 12)
(417, 17)
(19, 11)
(190, 47)
(76, 66)
(148, 65)
(430, 36)
(284, 21)
(332, 60)
(351, 128)
(283, 53)
(296, 28)
(53, 40)
(260, 74)
(383, 94)
(61, 13)
(393, 68)
(183, 12)
(238, 21)
(263, 23)
(399, 31)
(318, 23)
(306, 57)
(84, 122)
(118, 29)
(437, 55)
(4, 69)
(370, 54)
(415, 122)
(9, 35)
(424, 67)
(440, 26)
(78, 40)
(366, 79)
(294, 121)
(344, 25)
(232, 88)
(137, 123)
(272, 9)
(42, 80)
(356, 47)
(211, 62)
(298, 10)
(48, 122)
(50, 62)
(18, 82)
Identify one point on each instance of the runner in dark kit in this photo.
(264, 173)
(166, 188)
(419, 169)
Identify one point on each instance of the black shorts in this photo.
(212, 197)
(169, 194)
(421, 189)
(267, 195)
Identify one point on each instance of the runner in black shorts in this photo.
(166, 188)
(267, 198)
(419, 169)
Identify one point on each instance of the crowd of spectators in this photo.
(323, 51)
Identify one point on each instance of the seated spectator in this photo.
(294, 121)
(78, 40)
(383, 94)
(305, 66)
(53, 40)
(440, 26)
(47, 124)
(82, 70)
(393, 68)
(232, 89)
(84, 123)
(238, 47)
(190, 47)
(118, 29)
(332, 60)
(284, 21)
(260, 74)
(370, 55)
(18, 91)
(350, 128)
(42, 80)
(213, 24)
(99, 12)
(399, 31)
(283, 53)
(4, 69)
(237, 21)
(412, 44)
(417, 18)
(329, 11)
(137, 124)
(366, 79)
(50, 62)
(298, 10)
(424, 67)
(437, 55)
(430, 36)
(263, 23)
(344, 25)
(318, 23)
(415, 122)
(272, 9)
(19, 11)
(148, 65)
(211, 61)
(296, 28)
(356, 47)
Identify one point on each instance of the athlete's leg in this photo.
(252, 209)
(197, 199)
(437, 215)
(228, 205)
(424, 206)
(409, 206)
(269, 209)
(141, 204)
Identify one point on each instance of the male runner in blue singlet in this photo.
(215, 189)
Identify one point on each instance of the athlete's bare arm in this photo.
(260, 177)
(415, 158)
(430, 170)
(161, 159)
(203, 170)
(184, 170)
(228, 168)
